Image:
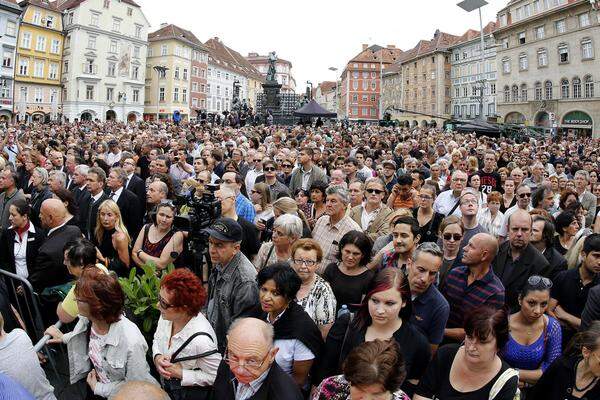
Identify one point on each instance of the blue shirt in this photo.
(430, 312)
(244, 208)
(11, 390)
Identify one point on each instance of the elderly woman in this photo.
(491, 218)
(40, 192)
(185, 345)
(315, 295)
(287, 229)
(105, 348)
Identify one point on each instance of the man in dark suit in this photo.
(251, 358)
(49, 269)
(517, 259)
(542, 236)
(591, 311)
(134, 183)
(88, 212)
(128, 203)
(78, 185)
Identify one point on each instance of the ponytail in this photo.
(588, 339)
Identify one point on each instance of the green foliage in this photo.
(141, 294)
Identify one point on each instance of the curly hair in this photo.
(185, 289)
(102, 293)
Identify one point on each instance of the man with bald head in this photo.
(140, 390)
(518, 259)
(249, 369)
(49, 268)
(473, 284)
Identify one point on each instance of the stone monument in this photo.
(272, 88)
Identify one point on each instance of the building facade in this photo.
(104, 59)
(426, 81)
(469, 76)
(548, 65)
(391, 99)
(9, 27)
(361, 82)
(283, 71)
(37, 89)
(325, 95)
(198, 79)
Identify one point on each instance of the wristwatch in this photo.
(137, 253)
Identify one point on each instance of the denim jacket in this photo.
(232, 293)
(124, 355)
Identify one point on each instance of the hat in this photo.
(225, 229)
(389, 162)
(113, 142)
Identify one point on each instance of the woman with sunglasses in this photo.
(451, 234)
(535, 339)
(373, 215)
(429, 220)
(184, 348)
(576, 374)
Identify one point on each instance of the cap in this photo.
(113, 142)
(389, 162)
(225, 229)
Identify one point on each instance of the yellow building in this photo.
(38, 62)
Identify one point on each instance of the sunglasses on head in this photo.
(537, 280)
(456, 236)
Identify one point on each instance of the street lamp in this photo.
(161, 70)
(468, 6)
(309, 94)
(335, 93)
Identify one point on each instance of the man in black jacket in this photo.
(88, 212)
(517, 259)
(128, 202)
(249, 370)
(79, 189)
(134, 183)
(542, 236)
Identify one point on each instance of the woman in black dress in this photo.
(429, 220)
(112, 239)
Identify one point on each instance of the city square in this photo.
(386, 201)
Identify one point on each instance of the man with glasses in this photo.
(276, 188)
(249, 243)
(372, 215)
(572, 288)
(523, 195)
(232, 289)
(447, 203)
(389, 174)
(249, 369)
(254, 171)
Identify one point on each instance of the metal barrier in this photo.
(42, 342)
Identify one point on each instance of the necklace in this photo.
(589, 385)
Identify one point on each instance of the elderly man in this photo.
(57, 180)
(131, 213)
(78, 187)
(249, 243)
(334, 224)
(518, 259)
(10, 194)
(232, 289)
(448, 202)
(586, 198)
(372, 215)
(523, 195)
(49, 268)
(249, 370)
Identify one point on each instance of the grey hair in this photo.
(375, 180)
(266, 329)
(121, 174)
(82, 168)
(429, 248)
(161, 186)
(290, 224)
(584, 173)
(43, 173)
(62, 177)
(340, 191)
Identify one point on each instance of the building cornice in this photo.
(87, 28)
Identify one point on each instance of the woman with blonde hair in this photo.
(111, 238)
(261, 200)
(287, 205)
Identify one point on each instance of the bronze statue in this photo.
(271, 77)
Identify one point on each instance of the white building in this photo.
(104, 59)
(467, 74)
(325, 95)
(9, 25)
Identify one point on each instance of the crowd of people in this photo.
(346, 262)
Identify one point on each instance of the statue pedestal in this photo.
(271, 90)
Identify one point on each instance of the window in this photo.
(136, 51)
(589, 86)
(522, 38)
(194, 102)
(523, 92)
(37, 17)
(218, 90)
(184, 95)
(493, 88)
(202, 88)
(135, 72)
(110, 94)
(456, 92)
(542, 58)
(540, 32)
(138, 31)
(129, 11)
(175, 94)
(116, 25)
(587, 50)
(70, 18)
(49, 21)
(373, 85)
(506, 66)
(226, 92)
(365, 111)
(194, 86)
(26, 40)
(563, 53)
(38, 69)
(560, 26)
(94, 19)
(584, 20)
(38, 95)
(53, 71)
(7, 59)
(523, 62)
(67, 41)
(473, 90)
(176, 73)
(113, 46)
(163, 50)
(515, 93)
(185, 74)
(106, 4)
(66, 66)
(91, 42)
(23, 66)
(88, 67)
(355, 98)
(505, 43)
(548, 87)
(11, 28)
(365, 74)
(55, 47)
(465, 91)
(161, 94)
(112, 68)
(355, 85)
(136, 96)
(89, 92)
(564, 89)
(538, 91)
(576, 88)
(506, 94)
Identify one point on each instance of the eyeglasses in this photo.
(257, 160)
(163, 304)
(308, 263)
(537, 280)
(456, 236)
(269, 169)
(254, 191)
(523, 195)
(201, 181)
(376, 191)
(287, 166)
(251, 363)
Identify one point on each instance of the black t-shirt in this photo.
(347, 289)
(570, 292)
(436, 381)
(490, 181)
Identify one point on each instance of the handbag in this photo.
(501, 381)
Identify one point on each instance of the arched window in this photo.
(564, 88)
(576, 88)
(524, 92)
(589, 86)
(538, 90)
(506, 94)
(515, 93)
(548, 90)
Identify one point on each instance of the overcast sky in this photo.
(315, 35)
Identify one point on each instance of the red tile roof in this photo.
(327, 86)
(230, 59)
(174, 32)
(49, 5)
(374, 52)
(441, 42)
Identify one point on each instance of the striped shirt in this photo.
(463, 297)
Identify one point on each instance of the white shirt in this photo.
(117, 194)
(96, 197)
(53, 229)
(112, 158)
(251, 176)
(128, 179)
(367, 217)
(20, 252)
(445, 202)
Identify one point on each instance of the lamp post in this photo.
(161, 71)
(468, 6)
(335, 93)
(309, 94)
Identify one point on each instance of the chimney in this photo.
(365, 46)
(436, 34)
(391, 46)
(163, 25)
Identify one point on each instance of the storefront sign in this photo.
(577, 118)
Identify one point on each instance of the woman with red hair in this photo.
(105, 348)
(384, 314)
(185, 345)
